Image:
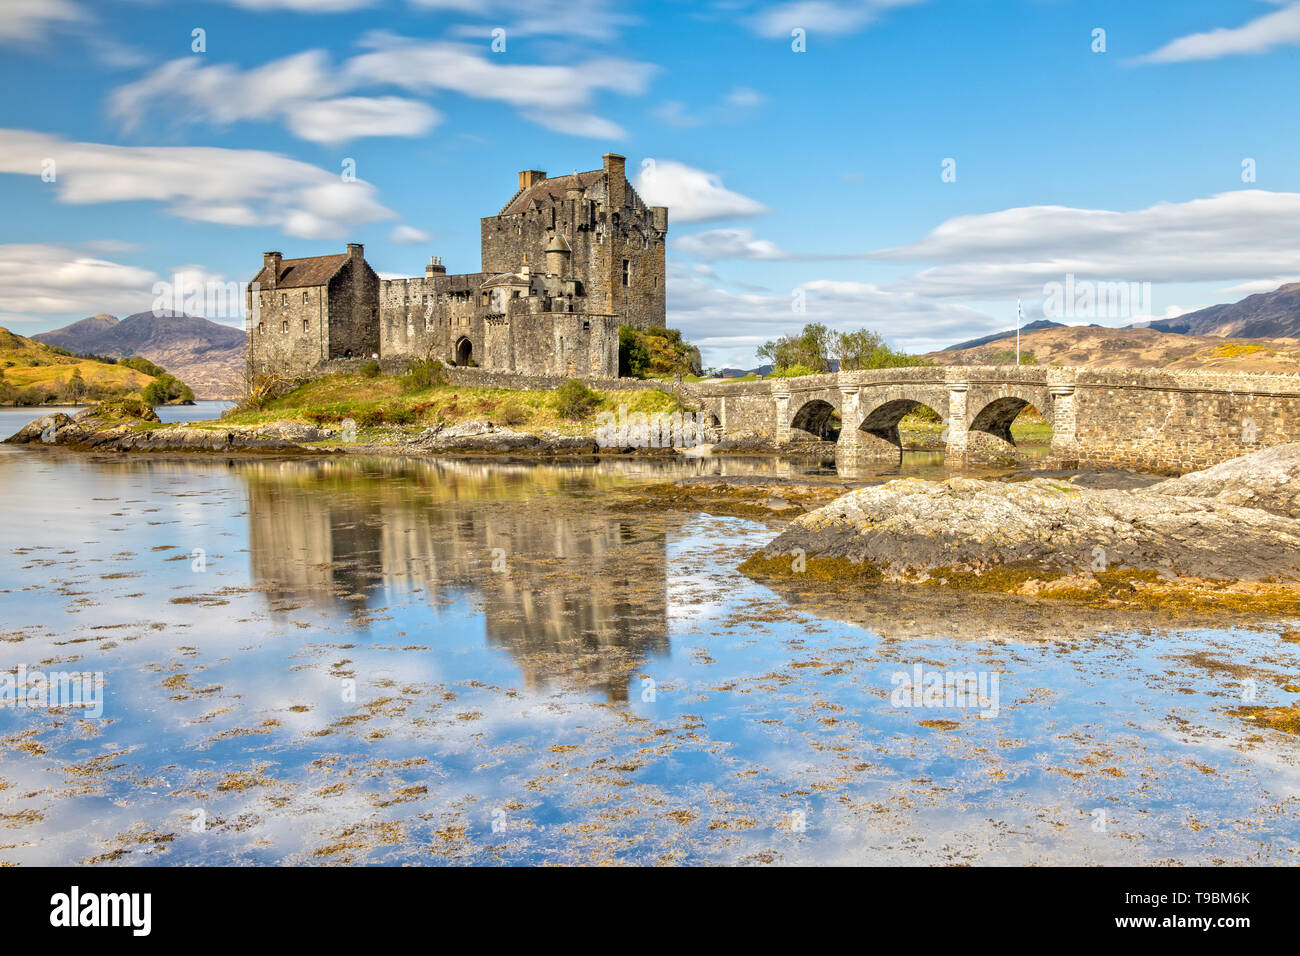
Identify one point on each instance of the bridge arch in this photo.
(877, 438)
(989, 429)
(817, 417)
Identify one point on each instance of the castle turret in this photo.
(558, 254)
(615, 169)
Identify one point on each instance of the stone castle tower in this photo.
(565, 262)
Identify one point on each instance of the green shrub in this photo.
(514, 415)
(423, 374)
(370, 369)
(33, 395)
(792, 371)
(143, 365)
(166, 388)
(574, 400)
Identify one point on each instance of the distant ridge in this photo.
(203, 354)
(986, 339)
(1273, 314)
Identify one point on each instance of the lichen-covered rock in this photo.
(909, 529)
(296, 431)
(1268, 479)
(42, 430)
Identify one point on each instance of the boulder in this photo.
(1268, 479)
(910, 529)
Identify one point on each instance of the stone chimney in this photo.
(271, 263)
(530, 177)
(356, 250)
(660, 216)
(615, 170)
(435, 267)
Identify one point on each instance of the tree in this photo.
(76, 387)
(810, 348)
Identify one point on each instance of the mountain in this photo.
(204, 355)
(985, 340)
(1273, 314)
(1093, 346)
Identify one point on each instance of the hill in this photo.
(985, 340)
(32, 373)
(1273, 314)
(1093, 346)
(207, 356)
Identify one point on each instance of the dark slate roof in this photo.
(554, 188)
(302, 273)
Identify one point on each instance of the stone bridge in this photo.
(1170, 421)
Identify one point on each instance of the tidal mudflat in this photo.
(350, 661)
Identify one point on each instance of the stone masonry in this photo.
(1163, 421)
(565, 262)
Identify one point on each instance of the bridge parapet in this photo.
(1146, 418)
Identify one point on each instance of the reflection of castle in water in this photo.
(575, 596)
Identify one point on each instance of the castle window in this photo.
(586, 325)
(627, 271)
(304, 298)
(284, 298)
(306, 325)
(284, 326)
(261, 328)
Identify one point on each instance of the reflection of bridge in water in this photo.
(572, 596)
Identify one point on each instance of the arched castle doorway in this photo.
(464, 351)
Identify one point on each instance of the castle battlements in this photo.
(565, 262)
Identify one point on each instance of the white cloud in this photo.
(206, 184)
(556, 96)
(1242, 289)
(739, 103)
(28, 21)
(691, 195)
(408, 236)
(718, 244)
(1280, 28)
(302, 6)
(352, 117)
(223, 94)
(590, 19)
(38, 280)
(833, 17)
(305, 90)
(1240, 235)
(708, 314)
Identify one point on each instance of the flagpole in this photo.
(1020, 315)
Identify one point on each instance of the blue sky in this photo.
(808, 179)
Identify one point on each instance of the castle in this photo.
(565, 262)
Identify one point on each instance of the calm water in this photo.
(342, 661)
(12, 419)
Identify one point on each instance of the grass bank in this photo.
(387, 402)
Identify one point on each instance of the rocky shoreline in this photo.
(1225, 538)
(1184, 542)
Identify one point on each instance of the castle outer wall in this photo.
(565, 262)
